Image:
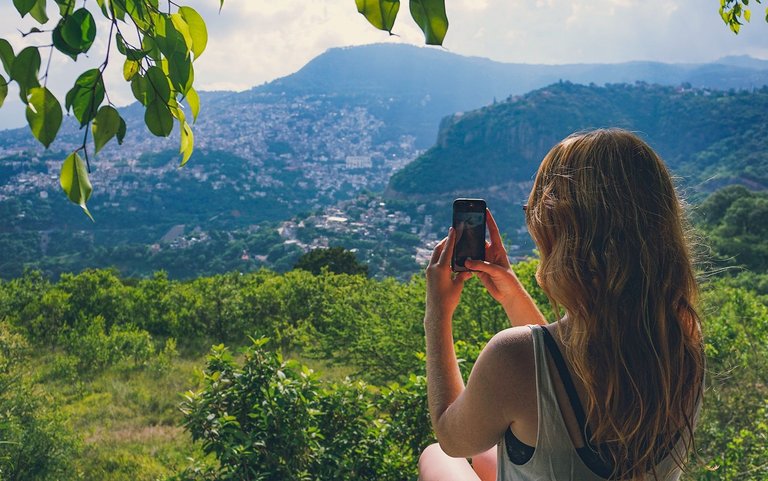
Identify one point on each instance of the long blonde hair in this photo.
(615, 255)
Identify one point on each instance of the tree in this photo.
(734, 11)
(159, 48)
(336, 259)
(736, 221)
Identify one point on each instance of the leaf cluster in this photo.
(429, 15)
(159, 47)
(734, 11)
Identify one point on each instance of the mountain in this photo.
(708, 138)
(407, 89)
(421, 85)
(340, 126)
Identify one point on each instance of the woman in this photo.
(611, 390)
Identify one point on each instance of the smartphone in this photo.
(469, 224)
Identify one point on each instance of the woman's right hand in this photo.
(501, 282)
(495, 272)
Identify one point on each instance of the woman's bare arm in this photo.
(467, 420)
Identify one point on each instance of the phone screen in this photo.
(469, 224)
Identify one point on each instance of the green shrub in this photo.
(34, 441)
(274, 419)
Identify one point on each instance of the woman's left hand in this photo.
(443, 287)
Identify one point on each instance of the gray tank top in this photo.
(555, 457)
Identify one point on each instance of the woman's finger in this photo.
(438, 249)
(493, 229)
(448, 249)
(484, 266)
(463, 276)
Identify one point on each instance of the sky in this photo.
(255, 41)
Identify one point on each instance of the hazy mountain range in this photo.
(350, 118)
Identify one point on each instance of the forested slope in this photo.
(709, 138)
(93, 366)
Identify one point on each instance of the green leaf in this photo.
(431, 18)
(159, 83)
(6, 55)
(380, 13)
(168, 39)
(43, 115)
(79, 30)
(181, 26)
(176, 110)
(149, 45)
(118, 10)
(158, 118)
(142, 90)
(104, 7)
(61, 45)
(105, 126)
(139, 13)
(197, 30)
(74, 181)
(38, 12)
(121, 131)
(24, 6)
(25, 70)
(130, 69)
(86, 96)
(179, 71)
(122, 48)
(3, 90)
(187, 144)
(120, 43)
(193, 100)
(66, 7)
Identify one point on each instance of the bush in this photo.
(733, 431)
(35, 445)
(272, 419)
(96, 349)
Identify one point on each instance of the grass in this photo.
(128, 419)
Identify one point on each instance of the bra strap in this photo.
(570, 388)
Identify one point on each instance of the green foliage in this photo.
(734, 425)
(159, 47)
(429, 15)
(335, 259)
(95, 348)
(43, 115)
(107, 124)
(35, 443)
(101, 338)
(74, 181)
(734, 11)
(274, 419)
(736, 222)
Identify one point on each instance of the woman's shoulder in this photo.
(510, 351)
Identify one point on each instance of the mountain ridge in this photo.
(699, 132)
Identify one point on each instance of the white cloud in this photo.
(254, 41)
